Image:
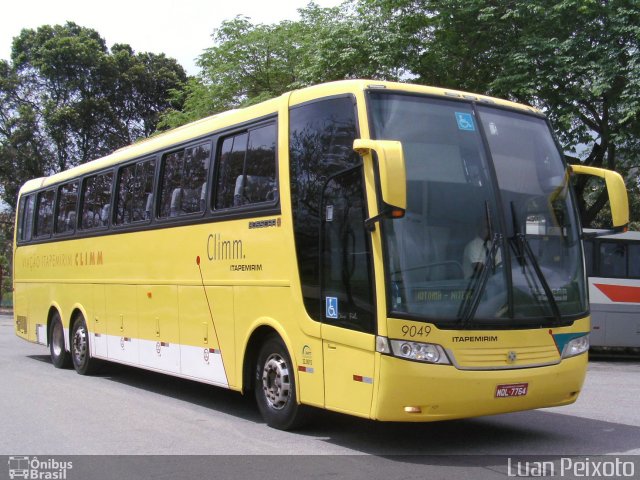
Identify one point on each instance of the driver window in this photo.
(346, 268)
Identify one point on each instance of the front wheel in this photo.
(275, 387)
(80, 353)
(59, 355)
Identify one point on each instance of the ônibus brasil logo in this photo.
(34, 468)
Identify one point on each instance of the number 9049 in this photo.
(413, 331)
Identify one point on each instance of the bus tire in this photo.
(59, 355)
(80, 352)
(275, 387)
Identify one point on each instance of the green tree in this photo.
(247, 64)
(633, 183)
(253, 62)
(24, 150)
(6, 238)
(67, 99)
(577, 60)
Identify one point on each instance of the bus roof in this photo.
(228, 118)
(631, 235)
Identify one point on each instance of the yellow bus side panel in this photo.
(207, 337)
(40, 298)
(97, 323)
(349, 366)
(271, 306)
(158, 327)
(122, 323)
(21, 310)
(346, 391)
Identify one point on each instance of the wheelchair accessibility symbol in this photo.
(465, 121)
(332, 307)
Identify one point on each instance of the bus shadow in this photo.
(468, 442)
(201, 394)
(41, 358)
(536, 432)
(615, 356)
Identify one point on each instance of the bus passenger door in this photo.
(347, 296)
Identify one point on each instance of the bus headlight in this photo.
(421, 352)
(576, 347)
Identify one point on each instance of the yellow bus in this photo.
(386, 250)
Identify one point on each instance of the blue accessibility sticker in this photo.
(332, 307)
(465, 121)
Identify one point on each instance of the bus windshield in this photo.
(490, 235)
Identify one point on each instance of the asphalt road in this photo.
(126, 411)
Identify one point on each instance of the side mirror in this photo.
(617, 190)
(391, 172)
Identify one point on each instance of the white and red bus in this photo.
(613, 268)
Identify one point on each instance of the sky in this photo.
(179, 28)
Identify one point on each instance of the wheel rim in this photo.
(80, 345)
(276, 384)
(57, 339)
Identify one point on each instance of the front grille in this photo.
(505, 357)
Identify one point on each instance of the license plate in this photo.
(512, 390)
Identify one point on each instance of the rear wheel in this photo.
(275, 387)
(59, 355)
(80, 353)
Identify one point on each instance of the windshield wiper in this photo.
(479, 283)
(525, 248)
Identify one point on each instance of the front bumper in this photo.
(442, 392)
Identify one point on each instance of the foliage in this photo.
(253, 62)
(576, 60)
(6, 238)
(66, 99)
(633, 187)
(248, 63)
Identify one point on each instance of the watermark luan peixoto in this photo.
(603, 467)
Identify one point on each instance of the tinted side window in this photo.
(247, 169)
(134, 197)
(183, 185)
(25, 217)
(230, 168)
(29, 209)
(44, 218)
(259, 181)
(588, 257)
(320, 145)
(67, 204)
(634, 260)
(613, 259)
(96, 201)
(20, 222)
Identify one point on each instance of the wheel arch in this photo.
(259, 332)
(54, 308)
